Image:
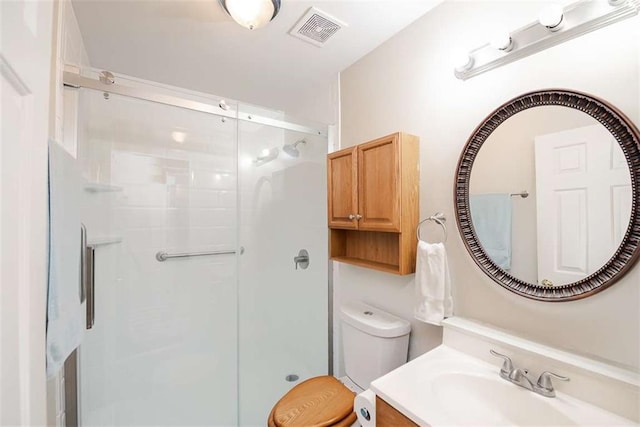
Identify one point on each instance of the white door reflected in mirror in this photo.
(584, 202)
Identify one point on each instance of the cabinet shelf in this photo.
(389, 268)
(94, 187)
(103, 240)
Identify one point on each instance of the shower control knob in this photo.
(352, 217)
(302, 259)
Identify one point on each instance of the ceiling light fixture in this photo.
(251, 14)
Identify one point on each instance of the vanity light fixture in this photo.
(554, 26)
(251, 14)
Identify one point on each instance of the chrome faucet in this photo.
(518, 376)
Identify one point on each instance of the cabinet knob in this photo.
(352, 217)
(358, 217)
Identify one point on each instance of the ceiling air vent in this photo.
(316, 27)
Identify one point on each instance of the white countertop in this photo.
(448, 387)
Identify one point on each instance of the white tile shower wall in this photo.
(415, 71)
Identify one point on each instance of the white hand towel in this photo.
(65, 318)
(433, 284)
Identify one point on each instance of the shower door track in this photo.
(74, 80)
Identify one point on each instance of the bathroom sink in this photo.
(448, 387)
(492, 400)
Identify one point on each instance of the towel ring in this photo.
(439, 219)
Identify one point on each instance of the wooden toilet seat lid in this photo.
(317, 402)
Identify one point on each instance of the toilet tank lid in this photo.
(373, 321)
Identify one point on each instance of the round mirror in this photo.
(547, 195)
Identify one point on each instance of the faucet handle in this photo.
(544, 381)
(507, 366)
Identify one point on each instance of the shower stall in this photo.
(195, 211)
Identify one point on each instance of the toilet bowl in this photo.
(374, 343)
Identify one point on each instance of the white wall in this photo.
(408, 84)
(25, 80)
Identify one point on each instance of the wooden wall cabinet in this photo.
(373, 201)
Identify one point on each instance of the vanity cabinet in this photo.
(387, 415)
(373, 203)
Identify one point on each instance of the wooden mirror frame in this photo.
(627, 135)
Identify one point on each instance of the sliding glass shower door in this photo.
(210, 249)
(283, 305)
(163, 350)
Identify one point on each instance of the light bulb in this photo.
(501, 40)
(551, 17)
(462, 61)
(251, 14)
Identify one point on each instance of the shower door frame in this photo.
(73, 78)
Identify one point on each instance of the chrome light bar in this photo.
(575, 20)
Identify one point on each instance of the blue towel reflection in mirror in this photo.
(491, 217)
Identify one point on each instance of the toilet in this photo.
(374, 343)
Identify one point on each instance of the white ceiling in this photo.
(196, 45)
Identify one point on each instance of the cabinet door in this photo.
(379, 184)
(342, 192)
(387, 415)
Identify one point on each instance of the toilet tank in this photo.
(374, 342)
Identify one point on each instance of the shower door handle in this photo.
(90, 285)
(83, 263)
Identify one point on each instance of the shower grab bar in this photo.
(163, 256)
